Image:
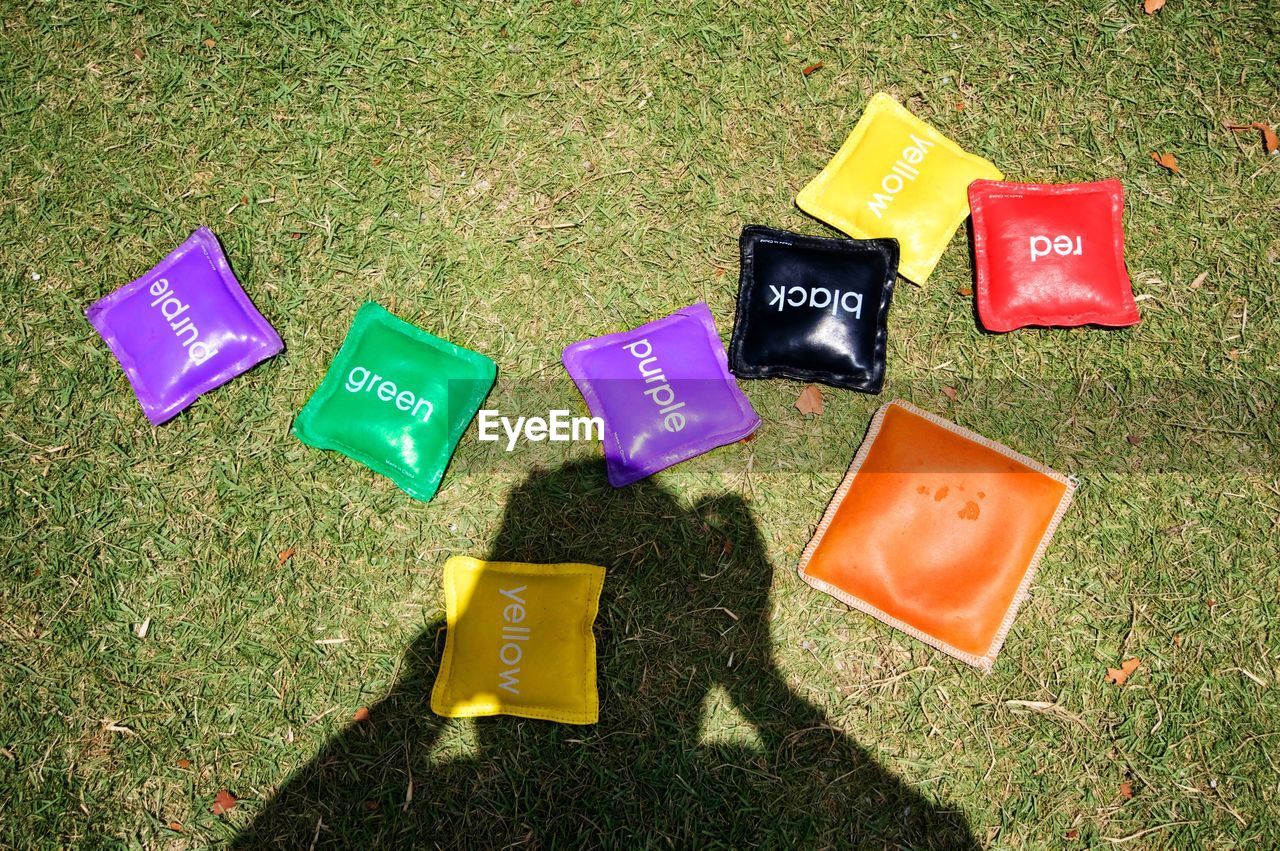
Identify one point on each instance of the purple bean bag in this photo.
(183, 328)
(663, 391)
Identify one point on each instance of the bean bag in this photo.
(813, 309)
(184, 328)
(937, 531)
(1050, 254)
(519, 641)
(895, 176)
(396, 399)
(663, 392)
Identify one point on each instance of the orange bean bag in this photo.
(937, 531)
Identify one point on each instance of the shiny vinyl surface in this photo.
(183, 328)
(937, 531)
(813, 309)
(397, 399)
(896, 176)
(663, 391)
(1050, 254)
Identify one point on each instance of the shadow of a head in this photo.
(700, 739)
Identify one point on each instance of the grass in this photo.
(517, 176)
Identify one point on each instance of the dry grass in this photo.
(515, 178)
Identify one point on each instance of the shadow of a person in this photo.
(684, 620)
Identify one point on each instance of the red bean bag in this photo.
(1050, 254)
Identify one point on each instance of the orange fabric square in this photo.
(937, 531)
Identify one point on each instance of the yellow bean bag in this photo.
(896, 176)
(519, 641)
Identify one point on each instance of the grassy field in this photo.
(518, 176)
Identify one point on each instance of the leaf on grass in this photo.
(1126, 789)
(1166, 161)
(1270, 142)
(285, 555)
(964, 291)
(175, 826)
(1133, 439)
(1073, 834)
(814, 67)
(208, 42)
(1199, 281)
(362, 714)
(810, 401)
(224, 802)
(137, 53)
(950, 392)
(184, 763)
(1152, 6)
(1120, 675)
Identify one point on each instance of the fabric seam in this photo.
(873, 382)
(880, 102)
(986, 660)
(446, 700)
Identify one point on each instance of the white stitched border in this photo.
(986, 660)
